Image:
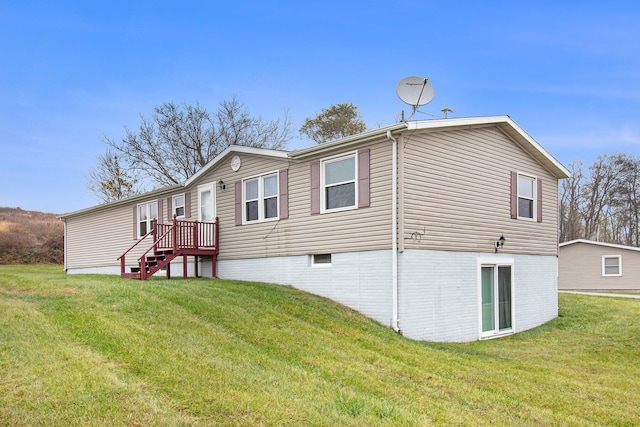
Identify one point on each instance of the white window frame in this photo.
(604, 258)
(261, 197)
(316, 264)
(496, 262)
(176, 206)
(323, 186)
(149, 220)
(534, 207)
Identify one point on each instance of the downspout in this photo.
(394, 232)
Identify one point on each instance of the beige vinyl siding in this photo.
(456, 193)
(580, 268)
(98, 238)
(302, 233)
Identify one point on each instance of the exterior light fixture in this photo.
(222, 185)
(500, 242)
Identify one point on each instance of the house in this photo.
(444, 230)
(585, 265)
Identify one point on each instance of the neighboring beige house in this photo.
(402, 223)
(585, 265)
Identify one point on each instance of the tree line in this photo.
(601, 203)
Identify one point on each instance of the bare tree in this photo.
(597, 193)
(110, 181)
(176, 141)
(602, 205)
(570, 202)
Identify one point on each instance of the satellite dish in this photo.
(415, 91)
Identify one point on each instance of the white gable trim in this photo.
(607, 245)
(236, 149)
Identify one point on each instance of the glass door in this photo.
(496, 299)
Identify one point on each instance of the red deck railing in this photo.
(180, 237)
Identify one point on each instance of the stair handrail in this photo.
(153, 231)
(143, 259)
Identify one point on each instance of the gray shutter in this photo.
(160, 212)
(514, 195)
(169, 209)
(363, 178)
(187, 204)
(315, 187)
(283, 183)
(238, 203)
(539, 194)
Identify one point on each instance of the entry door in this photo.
(497, 300)
(206, 213)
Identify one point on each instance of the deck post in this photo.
(195, 265)
(174, 234)
(155, 234)
(169, 271)
(195, 235)
(184, 266)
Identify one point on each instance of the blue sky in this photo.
(70, 72)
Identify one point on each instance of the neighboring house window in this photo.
(147, 212)
(179, 206)
(526, 197)
(612, 265)
(321, 260)
(261, 198)
(338, 178)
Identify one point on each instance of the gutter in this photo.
(394, 232)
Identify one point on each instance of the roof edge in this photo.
(592, 242)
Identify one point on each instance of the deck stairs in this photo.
(169, 241)
(152, 264)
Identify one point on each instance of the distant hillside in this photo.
(30, 237)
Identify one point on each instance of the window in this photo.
(496, 299)
(321, 260)
(260, 198)
(178, 206)
(612, 265)
(526, 197)
(339, 183)
(147, 212)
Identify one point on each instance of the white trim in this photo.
(174, 205)
(608, 245)
(495, 262)
(261, 198)
(619, 273)
(236, 149)
(323, 196)
(507, 125)
(149, 220)
(204, 187)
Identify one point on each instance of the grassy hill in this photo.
(28, 237)
(100, 350)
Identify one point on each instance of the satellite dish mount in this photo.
(415, 91)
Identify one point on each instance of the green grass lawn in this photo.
(100, 350)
